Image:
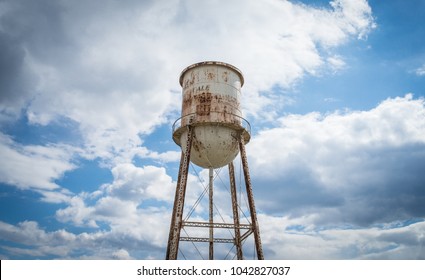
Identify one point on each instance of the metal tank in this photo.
(211, 105)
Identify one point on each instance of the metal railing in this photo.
(192, 119)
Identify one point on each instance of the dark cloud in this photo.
(11, 70)
(362, 168)
(37, 26)
(295, 193)
(391, 188)
(408, 238)
(29, 30)
(398, 194)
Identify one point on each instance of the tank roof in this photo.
(239, 72)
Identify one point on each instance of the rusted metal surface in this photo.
(177, 215)
(211, 214)
(233, 68)
(235, 210)
(177, 197)
(206, 239)
(251, 203)
(212, 90)
(215, 225)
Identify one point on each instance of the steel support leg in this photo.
(211, 214)
(177, 216)
(236, 221)
(250, 195)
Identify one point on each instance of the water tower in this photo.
(211, 132)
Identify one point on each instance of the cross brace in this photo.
(215, 225)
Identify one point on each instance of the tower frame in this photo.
(177, 223)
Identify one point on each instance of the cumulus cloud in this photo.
(356, 16)
(36, 242)
(360, 167)
(137, 183)
(35, 167)
(77, 212)
(131, 188)
(120, 205)
(134, 208)
(139, 230)
(286, 238)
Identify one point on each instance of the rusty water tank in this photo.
(211, 104)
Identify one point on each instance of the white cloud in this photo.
(131, 188)
(420, 71)
(134, 208)
(137, 183)
(285, 238)
(35, 167)
(356, 16)
(39, 243)
(121, 254)
(336, 63)
(120, 204)
(127, 222)
(77, 212)
(165, 157)
(393, 123)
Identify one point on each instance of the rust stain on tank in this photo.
(203, 103)
(209, 74)
(211, 95)
(224, 76)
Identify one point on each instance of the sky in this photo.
(334, 92)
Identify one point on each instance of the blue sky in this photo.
(334, 92)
